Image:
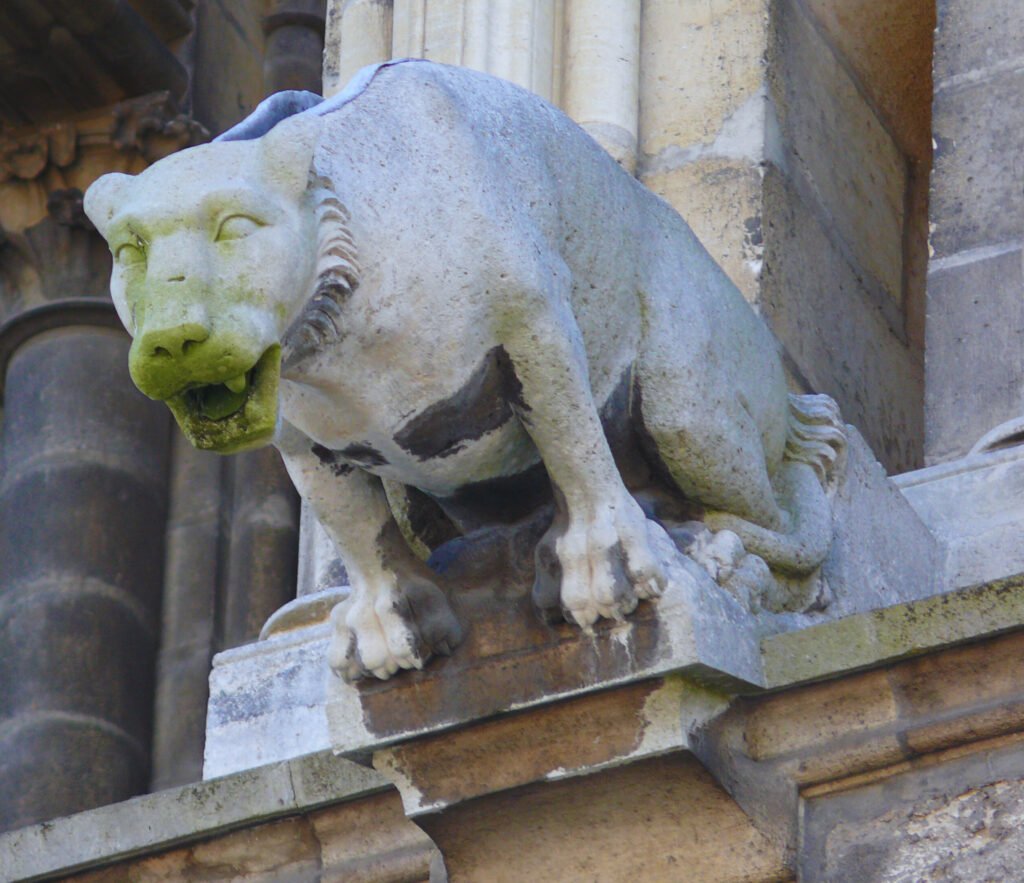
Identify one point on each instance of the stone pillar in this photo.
(262, 554)
(294, 45)
(197, 526)
(974, 371)
(83, 456)
(358, 33)
(601, 73)
(83, 460)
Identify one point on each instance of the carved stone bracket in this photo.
(70, 154)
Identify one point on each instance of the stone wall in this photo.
(975, 310)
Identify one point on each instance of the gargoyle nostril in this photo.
(162, 352)
(188, 344)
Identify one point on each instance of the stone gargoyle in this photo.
(442, 301)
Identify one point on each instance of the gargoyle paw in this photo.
(380, 632)
(607, 564)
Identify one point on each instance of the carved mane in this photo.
(337, 276)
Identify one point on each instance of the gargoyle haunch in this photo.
(436, 292)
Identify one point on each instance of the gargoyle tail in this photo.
(816, 435)
(813, 461)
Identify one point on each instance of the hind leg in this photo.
(711, 446)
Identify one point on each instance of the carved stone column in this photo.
(82, 504)
(83, 495)
(294, 45)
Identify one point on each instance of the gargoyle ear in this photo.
(287, 152)
(103, 198)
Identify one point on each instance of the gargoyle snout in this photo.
(172, 343)
(165, 357)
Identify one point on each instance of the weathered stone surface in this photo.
(889, 49)
(277, 699)
(270, 701)
(839, 151)
(975, 330)
(368, 841)
(892, 633)
(703, 124)
(973, 40)
(842, 708)
(659, 819)
(977, 136)
(883, 554)
(959, 821)
(701, 64)
(575, 737)
(821, 304)
(157, 822)
(981, 532)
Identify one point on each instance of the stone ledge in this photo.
(869, 639)
(158, 821)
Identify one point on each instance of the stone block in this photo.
(883, 553)
(659, 819)
(976, 129)
(973, 506)
(962, 679)
(277, 699)
(975, 335)
(974, 38)
(267, 702)
(820, 714)
(371, 840)
(956, 821)
(838, 150)
(893, 633)
(837, 327)
(152, 825)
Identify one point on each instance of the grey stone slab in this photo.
(975, 507)
(834, 141)
(958, 821)
(268, 702)
(972, 37)
(977, 133)
(167, 818)
(875, 637)
(817, 304)
(974, 361)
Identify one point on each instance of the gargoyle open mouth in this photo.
(233, 416)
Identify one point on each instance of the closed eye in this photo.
(236, 227)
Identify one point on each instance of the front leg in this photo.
(396, 617)
(598, 557)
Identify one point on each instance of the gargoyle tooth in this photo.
(236, 384)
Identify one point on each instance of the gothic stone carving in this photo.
(72, 153)
(439, 298)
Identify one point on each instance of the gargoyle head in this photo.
(215, 256)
